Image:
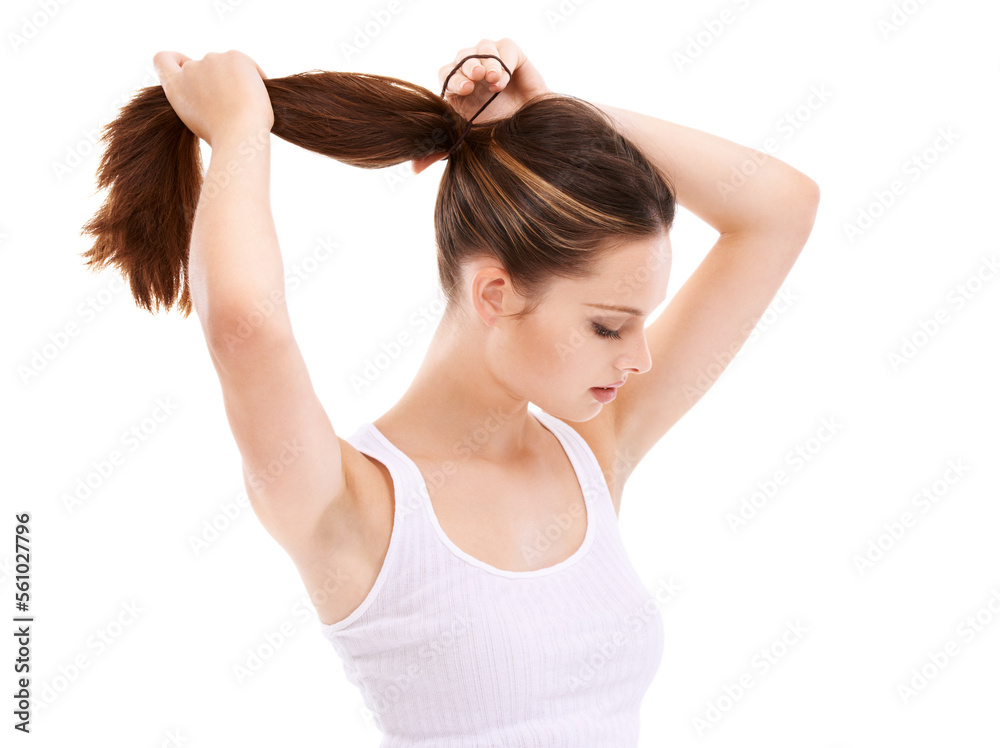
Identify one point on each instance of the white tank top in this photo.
(449, 651)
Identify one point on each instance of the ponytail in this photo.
(546, 191)
(152, 168)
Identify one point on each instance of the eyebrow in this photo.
(626, 309)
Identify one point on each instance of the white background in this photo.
(168, 675)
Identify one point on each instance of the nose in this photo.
(637, 359)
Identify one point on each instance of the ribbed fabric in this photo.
(451, 652)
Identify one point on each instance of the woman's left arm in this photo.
(764, 211)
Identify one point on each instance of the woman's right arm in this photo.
(292, 462)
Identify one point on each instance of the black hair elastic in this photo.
(444, 88)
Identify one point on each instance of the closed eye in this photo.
(605, 332)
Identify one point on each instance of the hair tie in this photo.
(444, 88)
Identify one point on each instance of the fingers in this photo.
(259, 70)
(463, 81)
(168, 63)
(242, 55)
(474, 68)
(512, 57)
(458, 81)
(493, 71)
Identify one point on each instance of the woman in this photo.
(462, 550)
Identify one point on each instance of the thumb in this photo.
(168, 64)
(419, 164)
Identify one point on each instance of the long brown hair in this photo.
(545, 191)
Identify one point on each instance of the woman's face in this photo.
(570, 344)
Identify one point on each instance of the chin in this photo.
(573, 412)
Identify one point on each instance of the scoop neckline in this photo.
(572, 559)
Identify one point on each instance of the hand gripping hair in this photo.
(540, 190)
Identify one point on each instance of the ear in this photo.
(419, 164)
(492, 291)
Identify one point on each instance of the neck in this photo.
(457, 407)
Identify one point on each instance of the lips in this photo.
(616, 384)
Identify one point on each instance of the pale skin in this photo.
(331, 507)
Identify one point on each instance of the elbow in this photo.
(809, 190)
(800, 192)
(237, 328)
(803, 205)
(812, 194)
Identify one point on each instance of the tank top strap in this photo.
(409, 536)
(409, 490)
(592, 481)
